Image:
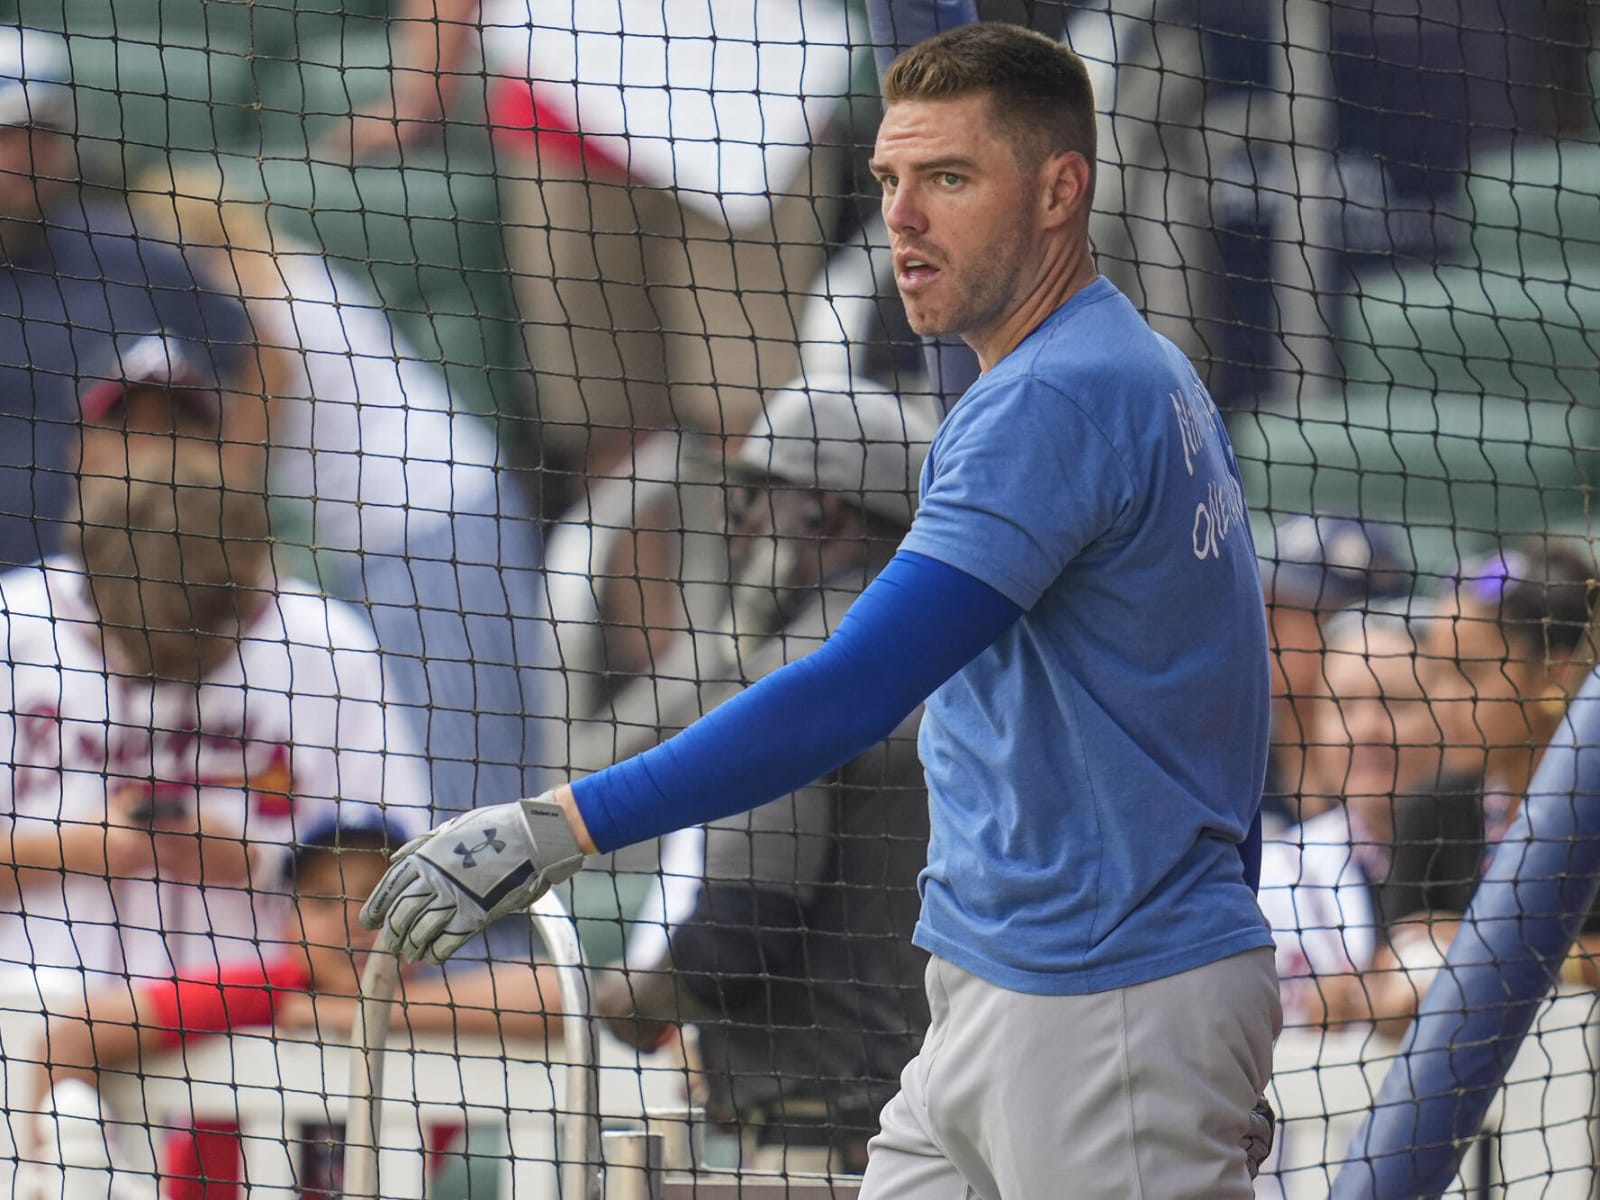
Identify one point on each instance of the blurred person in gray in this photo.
(73, 278)
(791, 949)
(1313, 567)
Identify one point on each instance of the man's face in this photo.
(35, 165)
(1297, 647)
(143, 438)
(167, 527)
(1489, 683)
(963, 213)
(329, 891)
(1378, 719)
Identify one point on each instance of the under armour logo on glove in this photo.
(490, 842)
(445, 886)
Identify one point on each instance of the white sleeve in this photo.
(366, 747)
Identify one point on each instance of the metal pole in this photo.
(578, 1122)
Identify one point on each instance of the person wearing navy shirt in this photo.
(1078, 602)
(73, 280)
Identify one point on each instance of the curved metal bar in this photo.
(578, 1121)
(368, 1040)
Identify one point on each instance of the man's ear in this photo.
(1066, 179)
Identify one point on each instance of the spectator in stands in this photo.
(1314, 567)
(173, 717)
(1514, 638)
(1507, 646)
(1336, 887)
(667, 213)
(75, 278)
(308, 976)
(409, 504)
(794, 954)
(641, 558)
(1511, 643)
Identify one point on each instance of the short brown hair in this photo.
(1040, 89)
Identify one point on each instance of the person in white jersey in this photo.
(172, 714)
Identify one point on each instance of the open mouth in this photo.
(912, 273)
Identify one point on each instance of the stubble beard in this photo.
(983, 294)
(166, 560)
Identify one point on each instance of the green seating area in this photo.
(1471, 407)
(251, 87)
(1458, 471)
(605, 904)
(1514, 313)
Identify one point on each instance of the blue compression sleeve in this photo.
(915, 625)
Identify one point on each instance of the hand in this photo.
(444, 887)
(145, 832)
(1258, 1139)
(385, 130)
(618, 1003)
(174, 830)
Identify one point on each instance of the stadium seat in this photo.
(156, 75)
(329, 76)
(1458, 471)
(1536, 203)
(1475, 331)
(604, 904)
(1511, 316)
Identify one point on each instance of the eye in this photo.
(949, 179)
(888, 182)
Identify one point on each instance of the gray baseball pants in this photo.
(1142, 1093)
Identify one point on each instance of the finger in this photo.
(447, 943)
(426, 928)
(395, 880)
(403, 914)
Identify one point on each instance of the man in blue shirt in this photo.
(1078, 602)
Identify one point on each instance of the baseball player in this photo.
(1078, 601)
(171, 714)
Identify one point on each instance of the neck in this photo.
(1067, 268)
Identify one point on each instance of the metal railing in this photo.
(578, 1133)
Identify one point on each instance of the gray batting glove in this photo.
(1257, 1141)
(442, 888)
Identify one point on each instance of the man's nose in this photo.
(902, 211)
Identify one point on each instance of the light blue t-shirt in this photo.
(1094, 771)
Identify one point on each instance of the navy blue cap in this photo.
(362, 823)
(188, 370)
(1328, 563)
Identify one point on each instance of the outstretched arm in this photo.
(431, 42)
(916, 624)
